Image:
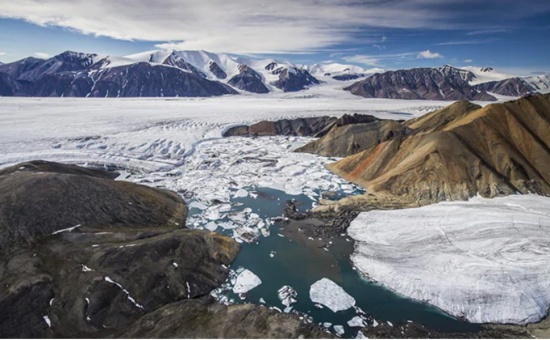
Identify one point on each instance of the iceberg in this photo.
(329, 294)
(246, 281)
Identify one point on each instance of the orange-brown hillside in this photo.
(459, 151)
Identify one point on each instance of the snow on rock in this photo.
(47, 320)
(246, 281)
(485, 259)
(356, 322)
(329, 294)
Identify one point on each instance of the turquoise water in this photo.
(300, 265)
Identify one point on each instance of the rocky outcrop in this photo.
(203, 318)
(513, 87)
(353, 134)
(217, 70)
(293, 79)
(315, 127)
(444, 83)
(348, 76)
(248, 80)
(83, 255)
(500, 149)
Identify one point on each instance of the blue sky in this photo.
(512, 36)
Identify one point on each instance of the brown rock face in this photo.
(460, 151)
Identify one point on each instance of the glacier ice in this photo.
(328, 293)
(485, 260)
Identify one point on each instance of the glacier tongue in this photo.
(486, 260)
(328, 293)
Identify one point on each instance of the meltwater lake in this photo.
(289, 258)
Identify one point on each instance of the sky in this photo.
(512, 36)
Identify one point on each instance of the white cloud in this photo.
(238, 26)
(42, 55)
(374, 70)
(468, 61)
(3, 54)
(429, 55)
(363, 59)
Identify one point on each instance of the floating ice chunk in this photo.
(339, 329)
(48, 321)
(328, 293)
(272, 253)
(287, 309)
(211, 226)
(228, 225)
(287, 295)
(246, 234)
(390, 324)
(327, 324)
(240, 193)
(360, 335)
(198, 205)
(374, 323)
(246, 281)
(262, 300)
(356, 322)
(66, 229)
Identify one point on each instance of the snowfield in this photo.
(486, 260)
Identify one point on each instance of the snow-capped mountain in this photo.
(153, 73)
(448, 83)
(162, 73)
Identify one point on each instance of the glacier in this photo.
(484, 260)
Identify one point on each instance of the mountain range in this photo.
(165, 73)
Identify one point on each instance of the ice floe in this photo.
(246, 281)
(485, 260)
(357, 321)
(339, 329)
(287, 295)
(329, 294)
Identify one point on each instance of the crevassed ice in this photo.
(486, 260)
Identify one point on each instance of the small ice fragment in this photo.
(47, 319)
(246, 281)
(339, 329)
(287, 309)
(328, 293)
(409, 321)
(391, 324)
(374, 323)
(240, 193)
(327, 324)
(360, 335)
(356, 322)
(272, 253)
(262, 300)
(287, 295)
(280, 235)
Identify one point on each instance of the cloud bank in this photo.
(255, 26)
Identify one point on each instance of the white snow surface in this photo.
(484, 259)
(329, 294)
(246, 281)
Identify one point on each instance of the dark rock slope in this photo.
(82, 255)
(316, 127)
(248, 80)
(203, 318)
(513, 87)
(353, 134)
(461, 151)
(444, 83)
